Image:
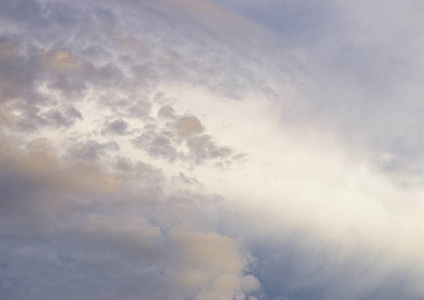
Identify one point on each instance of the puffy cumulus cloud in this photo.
(218, 277)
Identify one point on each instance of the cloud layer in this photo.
(210, 150)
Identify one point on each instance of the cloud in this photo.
(8, 49)
(195, 150)
(116, 127)
(60, 61)
(188, 125)
(64, 187)
(180, 137)
(364, 70)
(39, 163)
(81, 221)
(217, 277)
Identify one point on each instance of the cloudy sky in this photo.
(211, 149)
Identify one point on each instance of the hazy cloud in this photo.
(211, 150)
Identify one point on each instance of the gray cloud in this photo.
(181, 137)
(364, 71)
(91, 150)
(81, 220)
(110, 180)
(300, 273)
(116, 127)
(69, 229)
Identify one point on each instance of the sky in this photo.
(211, 149)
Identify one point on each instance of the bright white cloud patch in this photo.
(211, 150)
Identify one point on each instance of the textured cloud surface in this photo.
(211, 150)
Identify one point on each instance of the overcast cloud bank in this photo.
(211, 150)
